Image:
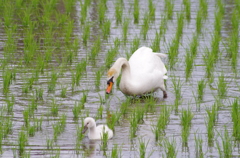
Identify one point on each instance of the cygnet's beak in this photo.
(84, 129)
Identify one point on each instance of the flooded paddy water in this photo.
(55, 56)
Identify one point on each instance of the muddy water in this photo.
(65, 145)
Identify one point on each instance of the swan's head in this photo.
(88, 123)
(112, 76)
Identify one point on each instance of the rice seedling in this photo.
(170, 148)
(124, 106)
(115, 153)
(68, 6)
(151, 10)
(54, 108)
(199, 20)
(133, 125)
(100, 112)
(218, 22)
(150, 104)
(83, 12)
(173, 52)
(136, 11)
(145, 26)
(200, 89)
(96, 48)
(186, 118)
(189, 59)
(8, 12)
(134, 46)
(125, 30)
(38, 123)
(10, 104)
(6, 126)
(8, 77)
(209, 60)
(106, 28)
(101, 11)
(26, 117)
(180, 25)
(76, 110)
(68, 31)
(156, 42)
(220, 7)
(118, 11)
(113, 118)
(50, 143)
(203, 5)
(22, 142)
(53, 81)
(59, 127)
(63, 92)
(80, 69)
(162, 122)
(210, 123)
(163, 25)
(84, 99)
(198, 146)
(236, 119)
(177, 85)
(222, 86)
(187, 6)
(142, 148)
(31, 130)
(227, 147)
(112, 52)
(104, 140)
(169, 6)
(86, 33)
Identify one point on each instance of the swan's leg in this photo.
(164, 94)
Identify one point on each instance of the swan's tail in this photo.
(161, 55)
(165, 77)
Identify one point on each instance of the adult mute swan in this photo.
(96, 132)
(142, 74)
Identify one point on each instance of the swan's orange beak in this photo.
(109, 87)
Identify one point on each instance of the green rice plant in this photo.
(200, 89)
(169, 148)
(180, 25)
(76, 110)
(113, 118)
(8, 12)
(118, 11)
(68, 27)
(80, 69)
(80, 136)
(156, 42)
(8, 76)
(59, 127)
(50, 143)
(169, 6)
(227, 146)
(83, 12)
(26, 117)
(98, 75)
(63, 91)
(38, 123)
(199, 20)
(133, 125)
(69, 5)
(187, 7)
(124, 106)
(54, 108)
(115, 153)
(150, 104)
(218, 22)
(136, 11)
(189, 59)
(100, 112)
(31, 130)
(101, 11)
(84, 99)
(203, 5)
(125, 29)
(96, 48)
(210, 123)
(134, 46)
(222, 86)
(142, 148)
(52, 82)
(236, 118)
(112, 52)
(186, 118)
(162, 122)
(173, 52)
(10, 104)
(139, 113)
(220, 7)
(177, 86)
(22, 142)
(163, 25)
(104, 140)
(106, 28)
(86, 33)
(145, 26)
(1, 139)
(198, 146)
(151, 10)
(209, 60)
(6, 126)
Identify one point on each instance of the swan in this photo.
(143, 73)
(96, 132)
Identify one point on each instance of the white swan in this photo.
(143, 73)
(96, 132)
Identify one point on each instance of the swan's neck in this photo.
(122, 65)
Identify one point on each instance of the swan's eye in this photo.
(110, 80)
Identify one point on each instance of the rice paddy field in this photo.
(54, 57)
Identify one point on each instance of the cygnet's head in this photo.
(88, 123)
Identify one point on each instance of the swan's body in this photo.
(96, 132)
(142, 74)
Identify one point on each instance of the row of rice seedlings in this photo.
(187, 7)
(236, 118)
(169, 6)
(210, 122)
(151, 10)
(198, 146)
(136, 11)
(145, 26)
(186, 118)
(233, 46)
(125, 30)
(118, 11)
(95, 49)
(162, 122)
(106, 28)
(227, 147)
(59, 127)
